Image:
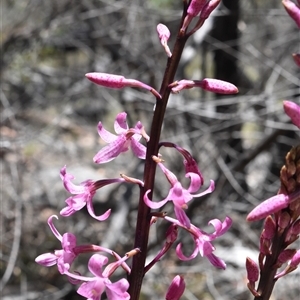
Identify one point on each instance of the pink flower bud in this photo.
(268, 207)
(171, 234)
(296, 57)
(208, 84)
(217, 86)
(118, 82)
(164, 35)
(284, 220)
(269, 228)
(176, 288)
(293, 111)
(295, 260)
(195, 7)
(293, 10)
(209, 7)
(285, 256)
(252, 270)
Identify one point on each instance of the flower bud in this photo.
(293, 10)
(164, 35)
(176, 288)
(209, 7)
(118, 82)
(269, 206)
(293, 111)
(252, 270)
(296, 57)
(284, 220)
(285, 256)
(269, 228)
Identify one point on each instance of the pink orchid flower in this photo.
(93, 287)
(178, 194)
(126, 138)
(83, 194)
(64, 257)
(203, 240)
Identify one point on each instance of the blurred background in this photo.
(49, 116)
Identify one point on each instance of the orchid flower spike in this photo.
(207, 84)
(118, 82)
(164, 35)
(126, 138)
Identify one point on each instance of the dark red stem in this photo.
(143, 218)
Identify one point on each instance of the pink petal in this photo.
(46, 259)
(102, 217)
(111, 151)
(154, 205)
(138, 149)
(96, 264)
(117, 290)
(92, 290)
(196, 182)
(209, 190)
(106, 135)
(67, 211)
(182, 217)
(181, 256)
(216, 261)
(68, 241)
(77, 202)
(53, 228)
(120, 124)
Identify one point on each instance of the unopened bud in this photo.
(164, 35)
(118, 82)
(176, 288)
(252, 270)
(296, 57)
(293, 10)
(293, 111)
(269, 228)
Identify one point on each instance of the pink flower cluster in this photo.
(82, 195)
